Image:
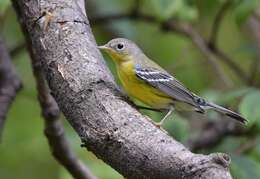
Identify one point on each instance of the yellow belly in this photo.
(140, 90)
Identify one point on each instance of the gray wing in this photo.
(167, 84)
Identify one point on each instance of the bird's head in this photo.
(121, 50)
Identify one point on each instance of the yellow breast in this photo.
(139, 89)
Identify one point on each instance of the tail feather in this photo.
(225, 111)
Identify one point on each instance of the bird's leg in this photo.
(159, 124)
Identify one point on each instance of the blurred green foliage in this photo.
(4, 4)
(165, 9)
(244, 9)
(24, 151)
(249, 107)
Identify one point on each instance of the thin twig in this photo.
(217, 21)
(229, 62)
(253, 27)
(213, 46)
(214, 132)
(254, 68)
(201, 44)
(136, 7)
(247, 146)
(10, 83)
(256, 14)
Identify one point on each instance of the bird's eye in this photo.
(120, 46)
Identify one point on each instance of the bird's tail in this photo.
(225, 111)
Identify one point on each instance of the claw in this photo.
(44, 20)
(158, 124)
(48, 16)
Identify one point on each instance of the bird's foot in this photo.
(158, 124)
(44, 20)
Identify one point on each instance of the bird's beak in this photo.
(103, 47)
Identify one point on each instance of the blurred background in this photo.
(213, 47)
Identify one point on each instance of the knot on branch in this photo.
(166, 26)
(199, 164)
(51, 111)
(212, 46)
(53, 129)
(221, 159)
(10, 90)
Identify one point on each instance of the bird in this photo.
(146, 81)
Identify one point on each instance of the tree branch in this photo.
(229, 62)
(10, 83)
(253, 27)
(87, 95)
(214, 132)
(54, 130)
(247, 145)
(201, 44)
(217, 21)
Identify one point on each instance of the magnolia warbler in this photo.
(146, 81)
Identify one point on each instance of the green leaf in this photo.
(211, 95)
(255, 152)
(206, 7)
(232, 95)
(187, 13)
(243, 167)
(244, 9)
(4, 5)
(166, 8)
(249, 107)
(228, 97)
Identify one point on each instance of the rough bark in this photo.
(53, 128)
(10, 83)
(86, 93)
